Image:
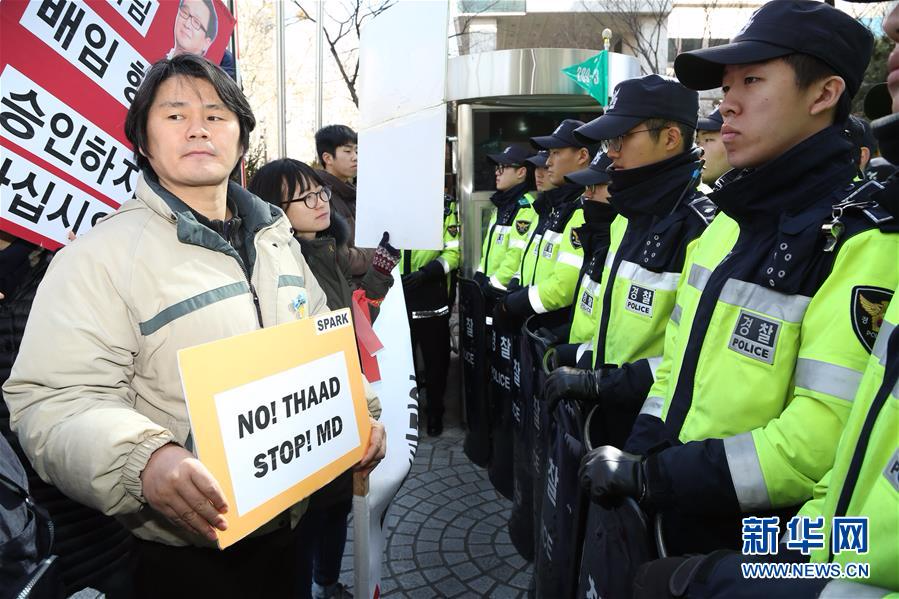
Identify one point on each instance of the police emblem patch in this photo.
(869, 305)
(453, 230)
(755, 336)
(639, 300)
(575, 240)
(522, 226)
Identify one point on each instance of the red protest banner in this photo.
(68, 72)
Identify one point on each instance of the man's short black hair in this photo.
(212, 27)
(331, 137)
(655, 127)
(266, 183)
(808, 70)
(184, 65)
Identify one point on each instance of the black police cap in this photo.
(562, 137)
(539, 159)
(514, 154)
(780, 28)
(636, 100)
(595, 174)
(712, 122)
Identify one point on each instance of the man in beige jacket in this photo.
(95, 394)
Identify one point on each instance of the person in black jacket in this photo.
(323, 235)
(93, 549)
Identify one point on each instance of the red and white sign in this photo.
(68, 72)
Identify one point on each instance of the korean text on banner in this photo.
(68, 72)
(276, 414)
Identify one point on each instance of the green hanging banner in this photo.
(593, 76)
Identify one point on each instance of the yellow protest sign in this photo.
(276, 414)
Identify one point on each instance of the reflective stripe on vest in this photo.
(831, 379)
(746, 472)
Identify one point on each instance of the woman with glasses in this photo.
(297, 189)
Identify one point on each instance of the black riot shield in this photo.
(616, 541)
(473, 343)
(521, 518)
(558, 549)
(502, 347)
(538, 342)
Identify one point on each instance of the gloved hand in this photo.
(481, 279)
(431, 271)
(571, 383)
(503, 321)
(413, 280)
(611, 474)
(386, 256)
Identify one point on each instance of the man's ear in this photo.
(521, 173)
(674, 139)
(327, 158)
(583, 156)
(865, 158)
(825, 94)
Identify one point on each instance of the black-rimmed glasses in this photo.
(499, 168)
(615, 143)
(311, 198)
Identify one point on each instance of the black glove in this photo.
(611, 474)
(571, 383)
(431, 271)
(481, 279)
(503, 321)
(413, 280)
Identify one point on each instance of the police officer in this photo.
(648, 131)
(594, 235)
(426, 277)
(708, 137)
(552, 259)
(863, 481)
(777, 316)
(522, 229)
(514, 185)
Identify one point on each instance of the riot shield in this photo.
(616, 541)
(538, 342)
(558, 549)
(473, 343)
(502, 347)
(521, 518)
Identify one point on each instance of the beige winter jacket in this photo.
(96, 389)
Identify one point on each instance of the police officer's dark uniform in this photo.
(427, 275)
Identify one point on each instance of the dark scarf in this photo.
(502, 199)
(783, 204)
(595, 232)
(654, 189)
(800, 177)
(552, 198)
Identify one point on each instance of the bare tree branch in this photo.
(342, 33)
(642, 24)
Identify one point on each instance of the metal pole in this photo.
(319, 61)
(280, 79)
